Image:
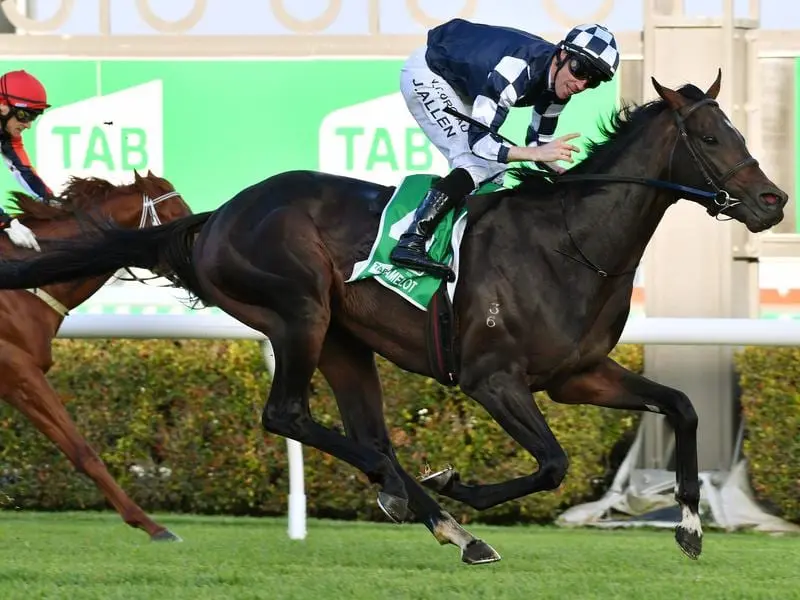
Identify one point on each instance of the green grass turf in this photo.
(94, 555)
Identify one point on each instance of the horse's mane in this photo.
(623, 126)
(80, 194)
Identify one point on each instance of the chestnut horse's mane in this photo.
(80, 194)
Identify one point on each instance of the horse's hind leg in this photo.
(287, 412)
(296, 320)
(25, 388)
(611, 385)
(349, 367)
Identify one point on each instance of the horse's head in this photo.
(711, 154)
(148, 201)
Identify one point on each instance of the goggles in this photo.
(24, 115)
(582, 69)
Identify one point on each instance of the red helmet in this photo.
(23, 90)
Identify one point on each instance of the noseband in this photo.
(149, 208)
(149, 211)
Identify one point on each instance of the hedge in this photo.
(178, 424)
(770, 380)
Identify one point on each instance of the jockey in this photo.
(481, 71)
(22, 99)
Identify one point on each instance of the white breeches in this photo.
(426, 95)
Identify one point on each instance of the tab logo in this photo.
(377, 140)
(105, 136)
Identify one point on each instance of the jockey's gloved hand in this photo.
(21, 235)
(52, 200)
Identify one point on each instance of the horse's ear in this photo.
(150, 173)
(714, 89)
(670, 96)
(136, 176)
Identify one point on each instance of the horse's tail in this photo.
(102, 252)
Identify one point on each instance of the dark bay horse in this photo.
(547, 272)
(29, 320)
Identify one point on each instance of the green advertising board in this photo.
(214, 127)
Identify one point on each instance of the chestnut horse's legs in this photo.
(26, 388)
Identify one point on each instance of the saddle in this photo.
(396, 204)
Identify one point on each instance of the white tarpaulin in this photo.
(646, 498)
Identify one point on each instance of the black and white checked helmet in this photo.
(595, 43)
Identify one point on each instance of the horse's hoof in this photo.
(165, 535)
(690, 542)
(395, 508)
(440, 480)
(479, 552)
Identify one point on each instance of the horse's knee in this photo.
(87, 456)
(86, 460)
(682, 415)
(281, 422)
(554, 469)
(688, 414)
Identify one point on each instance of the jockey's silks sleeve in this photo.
(493, 69)
(21, 168)
(506, 84)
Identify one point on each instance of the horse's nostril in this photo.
(769, 199)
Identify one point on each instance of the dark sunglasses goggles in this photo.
(582, 69)
(24, 115)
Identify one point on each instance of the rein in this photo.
(722, 199)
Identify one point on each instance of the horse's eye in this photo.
(710, 139)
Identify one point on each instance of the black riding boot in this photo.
(410, 249)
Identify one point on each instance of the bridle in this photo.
(722, 200)
(149, 208)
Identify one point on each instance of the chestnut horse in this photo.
(546, 276)
(30, 319)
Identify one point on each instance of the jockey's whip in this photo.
(452, 111)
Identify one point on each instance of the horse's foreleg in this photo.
(506, 397)
(349, 367)
(30, 393)
(611, 385)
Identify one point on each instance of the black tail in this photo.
(108, 249)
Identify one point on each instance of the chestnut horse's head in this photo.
(148, 201)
